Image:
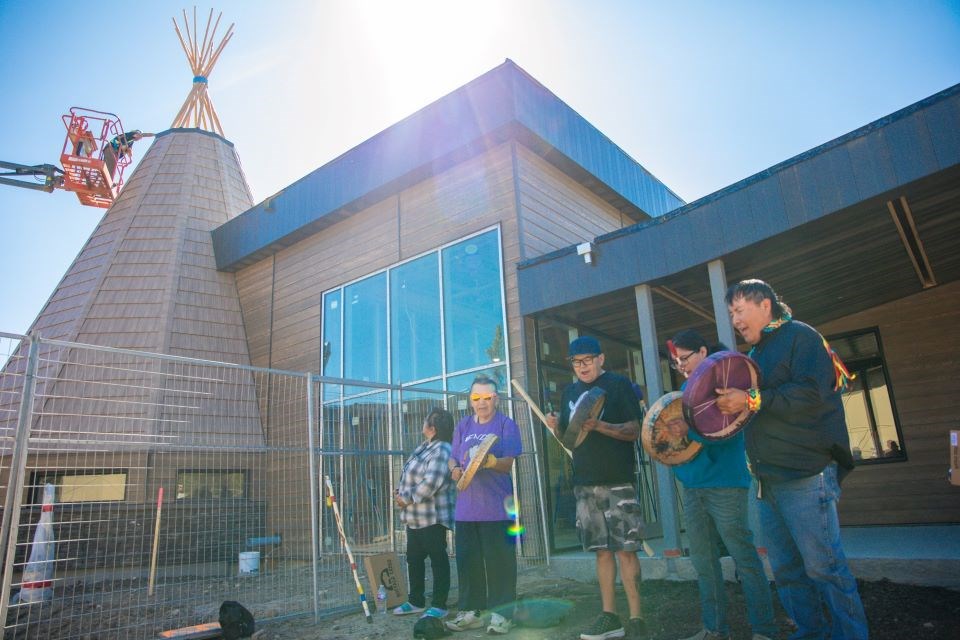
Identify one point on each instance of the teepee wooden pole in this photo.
(201, 55)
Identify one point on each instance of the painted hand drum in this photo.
(724, 369)
(476, 462)
(588, 405)
(664, 432)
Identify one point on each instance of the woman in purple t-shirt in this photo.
(486, 555)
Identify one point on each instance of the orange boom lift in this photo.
(95, 153)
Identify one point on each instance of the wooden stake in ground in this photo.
(156, 543)
(197, 110)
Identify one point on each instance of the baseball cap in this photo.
(584, 345)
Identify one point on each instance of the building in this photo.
(482, 232)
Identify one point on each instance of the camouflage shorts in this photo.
(609, 518)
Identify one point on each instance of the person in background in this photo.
(426, 497)
(799, 452)
(121, 146)
(609, 517)
(714, 487)
(486, 551)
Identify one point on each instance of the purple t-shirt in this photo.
(483, 500)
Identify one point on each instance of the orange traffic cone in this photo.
(37, 581)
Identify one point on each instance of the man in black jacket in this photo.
(799, 450)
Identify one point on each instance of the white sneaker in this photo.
(465, 620)
(499, 625)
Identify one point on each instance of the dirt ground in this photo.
(894, 612)
(88, 612)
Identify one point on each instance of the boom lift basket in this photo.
(92, 166)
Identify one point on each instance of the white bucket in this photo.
(249, 563)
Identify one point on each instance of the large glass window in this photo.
(332, 336)
(365, 329)
(415, 320)
(871, 417)
(473, 318)
(442, 311)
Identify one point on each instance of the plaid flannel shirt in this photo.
(426, 485)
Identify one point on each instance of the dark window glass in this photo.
(473, 305)
(868, 402)
(210, 485)
(415, 320)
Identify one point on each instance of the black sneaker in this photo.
(607, 625)
(636, 629)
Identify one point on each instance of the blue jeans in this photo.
(802, 531)
(723, 510)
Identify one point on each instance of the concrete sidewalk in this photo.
(923, 554)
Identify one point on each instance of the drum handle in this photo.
(533, 406)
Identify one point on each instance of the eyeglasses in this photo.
(585, 361)
(681, 361)
(476, 397)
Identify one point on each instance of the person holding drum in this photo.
(426, 497)
(714, 489)
(799, 451)
(486, 552)
(608, 515)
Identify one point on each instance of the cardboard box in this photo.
(955, 458)
(385, 569)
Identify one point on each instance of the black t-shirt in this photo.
(600, 459)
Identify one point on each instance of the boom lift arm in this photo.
(52, 176)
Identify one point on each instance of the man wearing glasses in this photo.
(608, 515)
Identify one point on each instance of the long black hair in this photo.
(756, 291)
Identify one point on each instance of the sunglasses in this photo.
(476, 397)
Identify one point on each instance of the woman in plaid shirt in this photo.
(427, 497)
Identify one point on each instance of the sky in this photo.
(702, 94)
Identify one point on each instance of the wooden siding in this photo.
(351, 249)
(556, 211)
(921, 339)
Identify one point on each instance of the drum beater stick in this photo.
(533, 406)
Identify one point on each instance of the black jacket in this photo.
(801, 427)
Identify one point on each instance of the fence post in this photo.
(314, 510)
(11, 509)
(545, 532)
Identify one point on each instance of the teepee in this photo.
(197, 108)
(147, 280)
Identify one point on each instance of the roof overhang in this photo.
(504, 103)
(823, 227)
